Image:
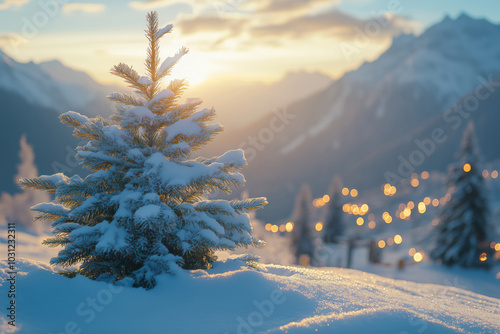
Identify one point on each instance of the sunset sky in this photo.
(250, 40)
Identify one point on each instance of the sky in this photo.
(244, 39)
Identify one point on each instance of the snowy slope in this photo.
(234, 299)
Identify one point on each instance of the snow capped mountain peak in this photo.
(50, 84)
(448, 58)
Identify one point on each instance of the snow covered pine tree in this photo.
(333, 215)
(302, 241)
(142, 211)
(463, 230)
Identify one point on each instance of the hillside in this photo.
(232, 298)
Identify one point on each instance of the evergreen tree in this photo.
(302, 217)
(463, 230)
(142, 211)
(333, 213)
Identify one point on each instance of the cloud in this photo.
(210, 23)
(83, 7)
(6, 4)
(154, 4)
(16, 207)
(275, 6)
(333, 23)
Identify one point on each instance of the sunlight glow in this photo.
(467, 168)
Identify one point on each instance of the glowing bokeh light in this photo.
(417, 257)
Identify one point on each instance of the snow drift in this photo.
(232, 298)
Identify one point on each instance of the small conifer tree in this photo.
(333, 214)
(142, 211)
(302, 216)
(463, 230)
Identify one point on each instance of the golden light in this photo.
(402, 215)
(355, 209)
(345, 191)
(412, 251)
(282, 228)
(492, 245)
(410, 205)
(421, 207)
(435, 202)
(467, 168)
(390, 241)
(360, 221)
(326, 198)
(417, 257)
(392, 191)
(346, 207)
(414, 183)
(381, 244)
(494, 174)
(388, 220)
(407, 212)
(354, 193)
(318, 202)
(497, 247)
(289, 227)
(401, 206)
(275, 228)
(385, 215)
(424, 175)
(387, 189)
(483, 257)
(371, 225)
(319, 226)
(485, 173)
(365, 208)
(427, 200)
(398, 239)
(268, 227)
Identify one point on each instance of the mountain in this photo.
(252, 100)
(32, 97)
(55, 86)
(362, 124)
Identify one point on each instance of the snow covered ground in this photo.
(232, 298)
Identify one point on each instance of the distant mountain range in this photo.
(363, 124)
(32, 97)
(240, 103)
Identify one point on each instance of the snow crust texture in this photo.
(232, 298)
